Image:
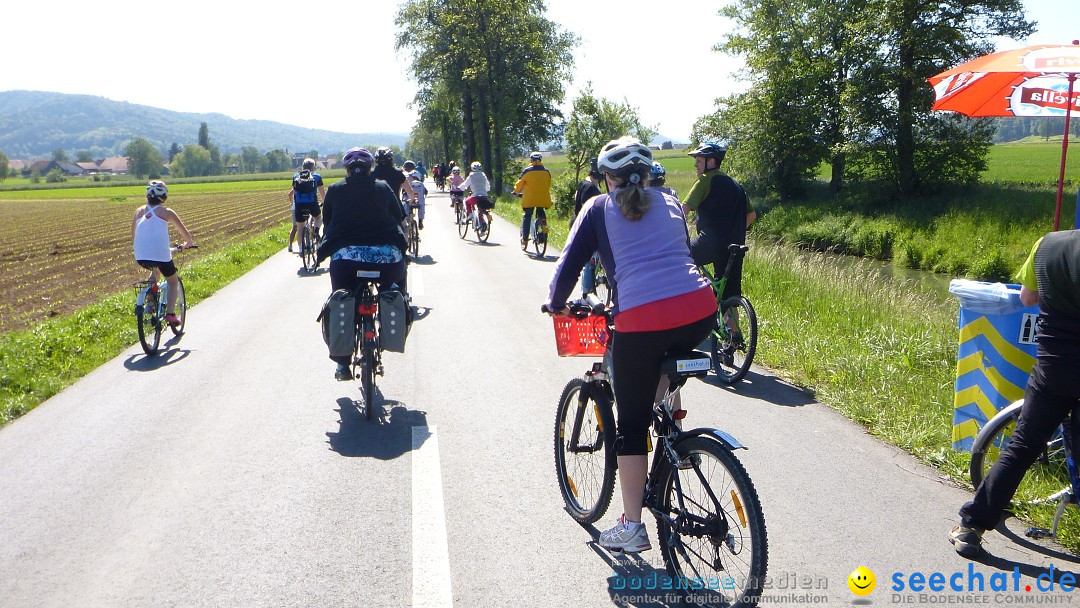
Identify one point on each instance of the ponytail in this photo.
(630, 195)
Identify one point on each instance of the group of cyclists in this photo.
(638, 229)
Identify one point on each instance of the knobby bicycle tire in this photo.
(1049, 474)
(586, 479)
(721, 534)
(148, 323)
(733, 352)
(181, 308)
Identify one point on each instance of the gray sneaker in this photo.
(620, 538)
(967, 541)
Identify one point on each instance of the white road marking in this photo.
(430, 554)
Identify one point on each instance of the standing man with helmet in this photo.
(1051, 278)
(722, 214)
(534, 186)
(363, 232)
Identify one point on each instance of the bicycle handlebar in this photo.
(580, 308)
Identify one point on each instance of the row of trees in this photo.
(490, 76)
(844, 82)
(202, 159)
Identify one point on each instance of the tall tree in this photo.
(4, 167)
(174, 149)
(59, 155)
(204, 135)
(593, 122)
(502, 59)
(84, 156)
(143, 158)
(277, 161)
(194, 161)
(251, 160)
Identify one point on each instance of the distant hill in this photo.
(34, 123)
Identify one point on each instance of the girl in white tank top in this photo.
(152, 235)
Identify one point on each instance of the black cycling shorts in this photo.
(167, 268)
(303, 210)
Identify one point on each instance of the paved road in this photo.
(234, 471)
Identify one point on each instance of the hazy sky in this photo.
(334, 67)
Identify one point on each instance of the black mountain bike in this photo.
(709, 518)
(367, 355)
(734, 340)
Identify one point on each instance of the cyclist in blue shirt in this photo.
(307, 190)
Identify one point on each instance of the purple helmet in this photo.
(357, 156)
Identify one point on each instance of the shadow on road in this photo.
(424, 260)
(765, 388)
(487, 244)
(386, 437)
(1027, 543)
(550, 259)
(303, 274)
(147, 363)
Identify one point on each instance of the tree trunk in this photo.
(837, 181)
(468, 134)
(908, 180)
(485, 125)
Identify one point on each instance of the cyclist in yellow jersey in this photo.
(534, 186)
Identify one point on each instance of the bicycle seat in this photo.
(688, 364)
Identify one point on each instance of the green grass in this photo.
(40, 362)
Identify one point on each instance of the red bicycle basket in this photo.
(580, 337)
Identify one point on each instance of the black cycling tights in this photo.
(635, 361)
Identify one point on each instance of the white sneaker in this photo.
(621, 538)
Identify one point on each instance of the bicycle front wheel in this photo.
(148, 323)
(309, 249)
(463, 225)
(540, 239)
(734, 340)
(713, 531)
(585, 464)
(600, 284)
(1042, 481)
(181, 308)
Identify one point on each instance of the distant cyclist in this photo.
(307, 190)
(657, 177)
(363, 232)
(588, 189)
(661, 305)
(386, 171)
(455, 181)
(534, 186)
(722, 211)
(150, 239)
(416, 184)
(478, 183)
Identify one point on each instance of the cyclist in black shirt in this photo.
(394, 177)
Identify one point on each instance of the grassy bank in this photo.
(40, 362)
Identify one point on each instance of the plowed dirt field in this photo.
(57, 255)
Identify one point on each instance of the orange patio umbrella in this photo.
(1030, 81)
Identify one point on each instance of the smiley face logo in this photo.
(861, 581)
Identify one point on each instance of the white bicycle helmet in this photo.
(624, 152)
(476, 166)
(157, 189)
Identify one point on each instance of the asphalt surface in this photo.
(232, 470)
